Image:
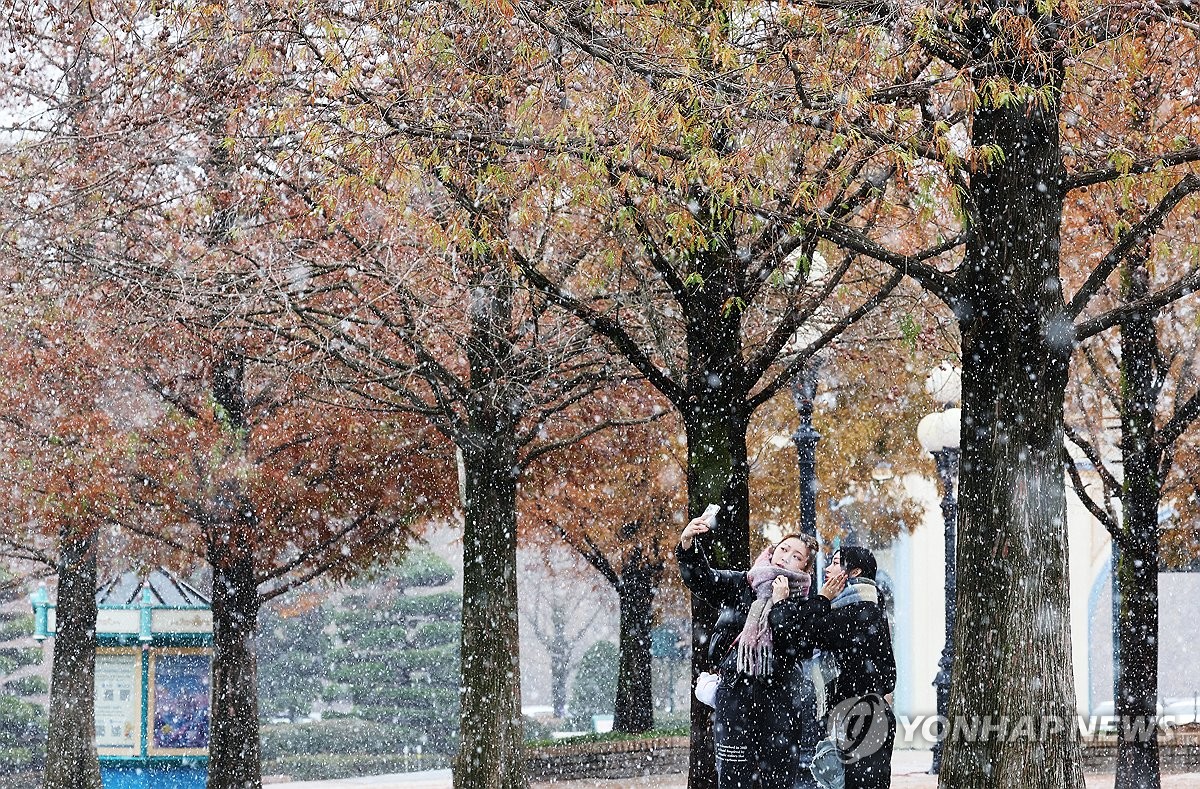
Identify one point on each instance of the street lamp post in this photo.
(804, 388)
(939, 436)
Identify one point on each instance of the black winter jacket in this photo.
(727, 590)
(859, 637)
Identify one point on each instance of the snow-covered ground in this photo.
(908, 772)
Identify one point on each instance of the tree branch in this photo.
(588, 549)
(1189, 283)
(311, 552)
(1097, 511)
(1136, 235)
(789, 373)
(553, 446)
(606, 326)
(326, 566)
(28, 553)
(757, 366)
(1093, 177)
(1175, 427)
(937, 282)
(1093, 455)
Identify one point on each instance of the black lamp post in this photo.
(804, 388)
(947, 466)
(939, 436)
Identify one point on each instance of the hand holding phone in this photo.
(705, 522)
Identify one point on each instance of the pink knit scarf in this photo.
(754, 645)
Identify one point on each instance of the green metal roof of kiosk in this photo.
(157, 608)
(166, 591)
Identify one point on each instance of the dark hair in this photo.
(814, 547)
(855, 557)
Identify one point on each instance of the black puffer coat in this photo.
(764, 727)
(728, 592)
(858, 636)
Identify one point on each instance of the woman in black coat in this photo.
(855, 631)
(764, 719)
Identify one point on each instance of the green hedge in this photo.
(361, 620)
(439, 733)
(336, 692)
(18, 760)
(32, 685)
(20, 780)
(373, 674)
(22, 656)
(382, 638)
(21, 723)
(320, 767)
(436, 634)
(440, 663)
(17, 627)
(424, 568)
(342, 735)
(435, 660)
(442, 605)
(421, 721)
(355, 738)
(22, 737)
(681, 729)
(445, 605)
(414, 697)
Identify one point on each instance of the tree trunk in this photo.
(715, 449)
(1012, 647)
(635, 703)
(560, 659)
(234, 753)
(71, 760)
(491, 749)
(1137, 743)
(1137, 563)
(234, 749)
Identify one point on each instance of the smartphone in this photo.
(710, 513)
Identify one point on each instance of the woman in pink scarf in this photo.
(764, 720)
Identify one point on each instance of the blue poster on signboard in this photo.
(181, 701)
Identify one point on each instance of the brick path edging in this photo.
(1179, 752)
(620, 759)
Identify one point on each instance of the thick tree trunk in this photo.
(1012, 680)
(490, 753)
(1137, 743)
(1137, 563)
(234, 752)
(635, 703)
(234, 749)
(716, 473)
(71, 760)
(715, 449)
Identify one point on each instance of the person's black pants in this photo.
(764, 730)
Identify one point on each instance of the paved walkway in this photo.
(908, 772)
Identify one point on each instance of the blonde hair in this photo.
(814, 547)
